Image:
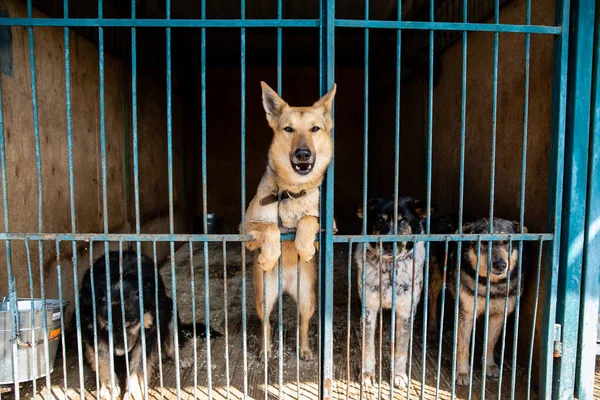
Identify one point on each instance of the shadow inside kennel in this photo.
(228, 377)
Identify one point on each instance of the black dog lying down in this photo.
(131, 331)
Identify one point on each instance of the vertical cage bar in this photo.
(365, 186)
(243, 191)
(411, 323)
(461, 193)
(534, 321)
(396, 192)
(34, 358)
(105, 193)
(574, 198)
(158, 333)
(225, 316)
(135, 139)
(38, 165)
(62, 320)
(122, 299)
(559, 102)
(522, 197)
(504, 319)
(380, 315)
(327, 208)
(14, 315)
(193, 295)
(280, 262)
(205, 198)
(428, 200)
(72, 196)
(348, 323)
(474, 321)
(94, 320)
(492, 195)
(441, 319)
(171, 200)
(590, 294)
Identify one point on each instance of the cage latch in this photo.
(557, 341)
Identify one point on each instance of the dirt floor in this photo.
(299, 381)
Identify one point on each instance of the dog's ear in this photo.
(517, 228)
(326, 101)
(272, 103)
(371, 203)
(420, 208)
(324, 105)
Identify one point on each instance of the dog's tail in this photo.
(187, 331)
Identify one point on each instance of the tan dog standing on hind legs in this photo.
(299, 154)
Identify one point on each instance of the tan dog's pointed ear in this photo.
(326, 101)
(272, 103)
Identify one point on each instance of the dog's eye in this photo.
(314, 129)
(288, 129)
(381, 220)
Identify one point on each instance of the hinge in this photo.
(557, 341)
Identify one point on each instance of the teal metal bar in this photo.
(62, 319)
(439, 362)
(574, 198)
(327, 193)
(474, 328)
(461, 194)
(159, 344)
(559, 102)
(492, 198)
(122, 300)
(243, 191)
(535, 313)
(11, 284)
(590, 285)
(448, 26)
(74, 251)
(396, 192)
(34, 358)
(225, 317)
(40, 190)
(203, 106)
(193, 295)
(504, 319)
(143, 237)
(161, 23)
(171, 200)
(428, 197)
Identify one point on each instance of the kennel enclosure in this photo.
(116, 118)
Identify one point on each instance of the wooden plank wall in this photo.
(85, 87)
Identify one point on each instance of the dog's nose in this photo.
(499, 265)
(302, 154)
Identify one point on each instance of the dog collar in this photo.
(272, 198)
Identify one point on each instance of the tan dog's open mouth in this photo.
(302, 168)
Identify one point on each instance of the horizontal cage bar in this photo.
(133, 237)
(448, 26)
(277, 23)
(161, 23)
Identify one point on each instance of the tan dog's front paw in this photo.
(306, 253)
(308, 227)
(306, 354)
(267, 260)
(270, 250)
